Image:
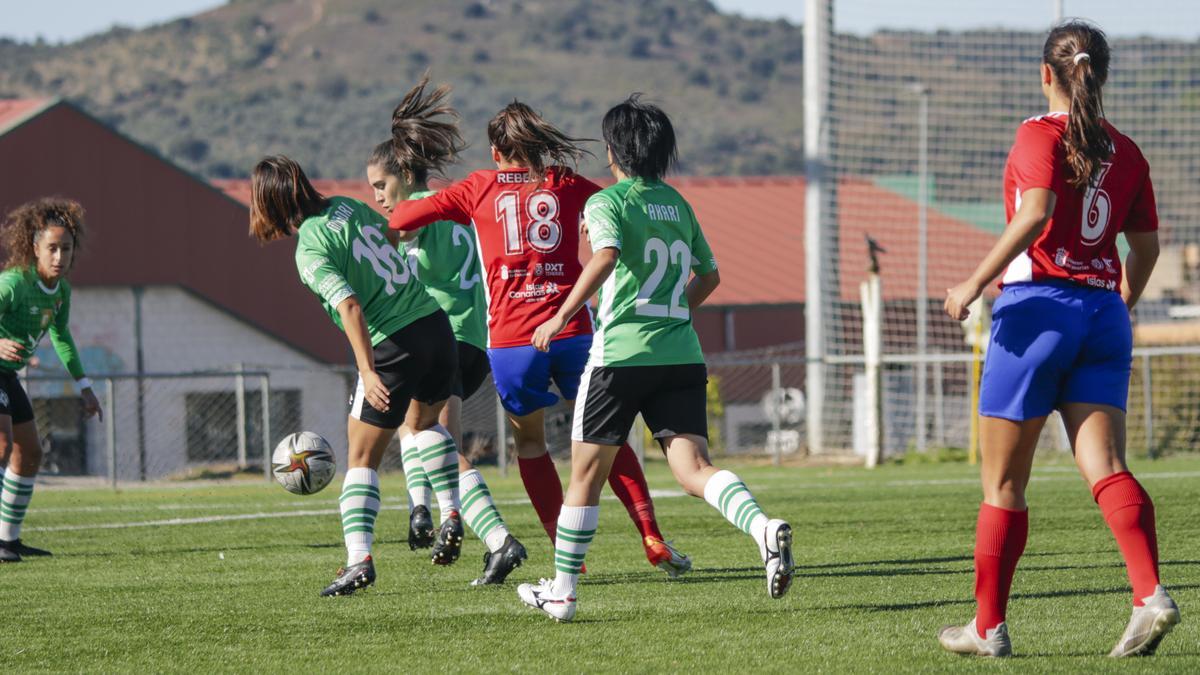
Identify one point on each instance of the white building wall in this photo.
(182, 333)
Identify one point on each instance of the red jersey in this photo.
(528, 239)
(1079, 243)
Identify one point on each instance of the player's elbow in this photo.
(348, 308)
(712, 279)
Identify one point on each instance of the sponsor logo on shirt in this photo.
(549, 269)
(1101, 283)
(535, 292)
(308, 274)
(507, 272)
(1060, 257)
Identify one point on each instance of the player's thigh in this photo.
(366, 443)
(529, 433)
(6, 435)
(675, 401)
(473, 369)
(607, 403)
(590, 466)
(1036, 334)
(568, 359)
(431, 343)
(522, 378)
(1097, 435)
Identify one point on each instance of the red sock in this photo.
(1000, 536)
(544, 489)
(1129, 513)
(628, 483)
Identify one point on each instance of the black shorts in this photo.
(14, 402)
(672, 400)
(473, 369)
(416, 362)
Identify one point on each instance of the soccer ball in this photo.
(303, 463)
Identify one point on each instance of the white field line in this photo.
(657, 494)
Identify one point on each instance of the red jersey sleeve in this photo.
(1143, 214)
(454, 204)
(1034, 156)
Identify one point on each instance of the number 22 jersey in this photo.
(528, 234)
(1079, 243)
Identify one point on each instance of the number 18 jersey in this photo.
(528, 235)
(642, 316)
(1079, 243)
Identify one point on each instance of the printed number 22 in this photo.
(1097, 209)
(680, 254)
(466, 280)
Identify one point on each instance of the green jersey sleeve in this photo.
(322, 276)
(60, 337)
(602, 215)
(703, 260)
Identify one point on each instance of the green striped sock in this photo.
(15, 494)
(359, 505)
(419, 489)
(439, 457)
(729, 495)
(480, 511)
(576, 529)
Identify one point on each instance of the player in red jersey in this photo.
(1061, 338)
(526, 215)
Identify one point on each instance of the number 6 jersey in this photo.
(642, 317)
(528, 236)
(342, 252)
(1079, 243)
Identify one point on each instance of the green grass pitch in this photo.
(884, 559)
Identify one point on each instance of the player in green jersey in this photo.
(646, 357)
(402, 341)
(41, 239)
(444, 260)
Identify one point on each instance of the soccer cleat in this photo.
(1149, 624)
(449, 541)
(497, 566)
(420, 528)
(542, 596)
(666, 558)
(8, 555)
(352, 578)
(24, 551)
(966, 640)
(779, 562)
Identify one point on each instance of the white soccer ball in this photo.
(303, 463)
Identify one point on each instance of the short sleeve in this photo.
(322, 277)
(9, 286)
(703, 260)
(603, 221)
(1033, 159)
(1143, 214)
(454, 203)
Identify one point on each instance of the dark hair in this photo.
(281, 197)
(24, 224)
(1087, 143)
(422, 141)
(641, 138)
(523, 137)
(384, 157)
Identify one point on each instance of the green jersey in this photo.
(643, 317)
(447, 263)
(342, 252)
(30, 308)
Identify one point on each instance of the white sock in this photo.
(729, 495)
(359, 506)
(14, 500)
(419, 490)
(479, 511)
(576, 529)
(439, 457)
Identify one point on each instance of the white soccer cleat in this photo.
(777, 555)
(1148, 625)
(543, 596)
(666, 557)
(966, 640)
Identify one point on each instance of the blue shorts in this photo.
(523, 374)
(1055, 343)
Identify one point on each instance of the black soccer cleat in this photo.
(24, 551)
(497, 566)
(420, 528)
(352, 578)
(449, 541)
(8, 555)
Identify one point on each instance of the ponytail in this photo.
(425, 137)
(523, 137)
(1078, 54)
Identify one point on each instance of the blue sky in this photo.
(67, 20)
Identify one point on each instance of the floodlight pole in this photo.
(818, 30)
(1058, 11)
(922, 413)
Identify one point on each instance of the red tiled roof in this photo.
(755, 227)
(13, 110)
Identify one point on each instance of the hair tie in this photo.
(1081, 56)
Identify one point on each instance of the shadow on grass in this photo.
(926, 604)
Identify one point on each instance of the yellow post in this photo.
(976, 368)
